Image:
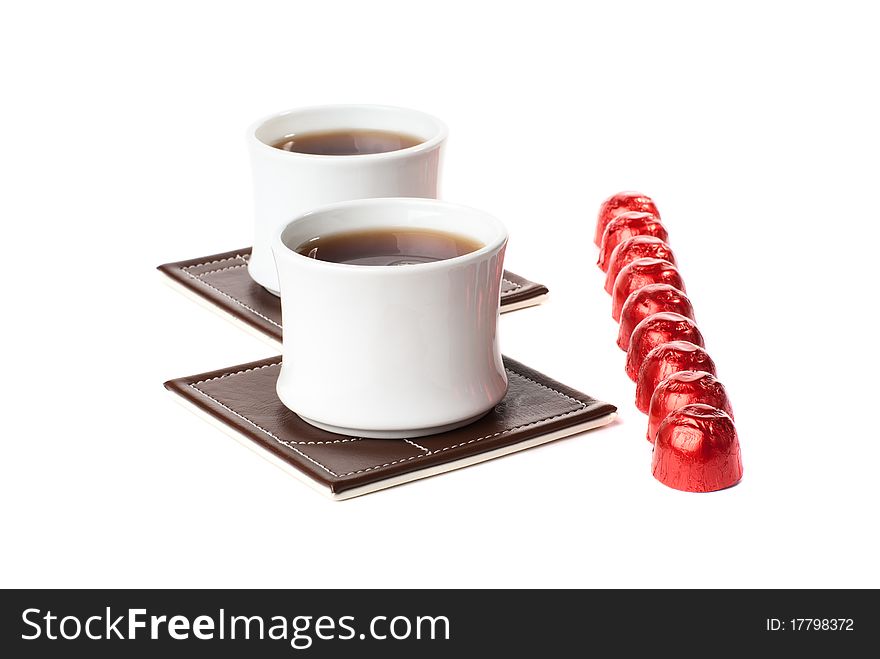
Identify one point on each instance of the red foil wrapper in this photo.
(637, 247)
(697, 450)
(663, 361)
(646, 301)
(655, 330)
(625, 226)
(639, 273)
(622, 202)
(681, 389)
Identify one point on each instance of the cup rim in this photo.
(280, 249)
(441, 133)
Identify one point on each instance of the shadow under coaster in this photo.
(241, 400)
(223, 284)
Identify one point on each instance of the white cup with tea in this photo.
(391, 315)
(308, 157)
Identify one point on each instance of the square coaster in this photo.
(241, 400)
(222, 283)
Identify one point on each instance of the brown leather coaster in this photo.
(222, 281)
(243, 401)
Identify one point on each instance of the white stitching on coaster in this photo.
(544, 386)
(292, 445)
(277, 439)
(228, 258)
(408, 441)
(256, 425)
(516, 286)
(228, 267)
(227, 375)
(227, 295)
(471, 441)
(198, 278)
(581, 405)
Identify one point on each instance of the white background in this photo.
(754, 128)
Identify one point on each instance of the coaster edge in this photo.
(394, 481)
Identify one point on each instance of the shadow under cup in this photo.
(391, 351)
(288, 183)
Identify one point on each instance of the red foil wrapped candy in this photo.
(685, 388)
(697, 450)
(621, 203)
(646, 301)
(656, 330)
(625, 226)
(637, 247)
(663, 361)
(642, 272)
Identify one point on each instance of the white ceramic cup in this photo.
(287, 184)
(391, 351)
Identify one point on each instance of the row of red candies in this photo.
(690, 421)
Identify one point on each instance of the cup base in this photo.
(254, 270)
(392, 434)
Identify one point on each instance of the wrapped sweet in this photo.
(646, 301)
(697, 450)
(621, 203)
(639, 273)
(684, 388)
(656, 330)
(637, 247)
(690, 420)
(663, 361)
(625, 226)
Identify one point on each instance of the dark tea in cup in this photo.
(346, 142)
(388, 246)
